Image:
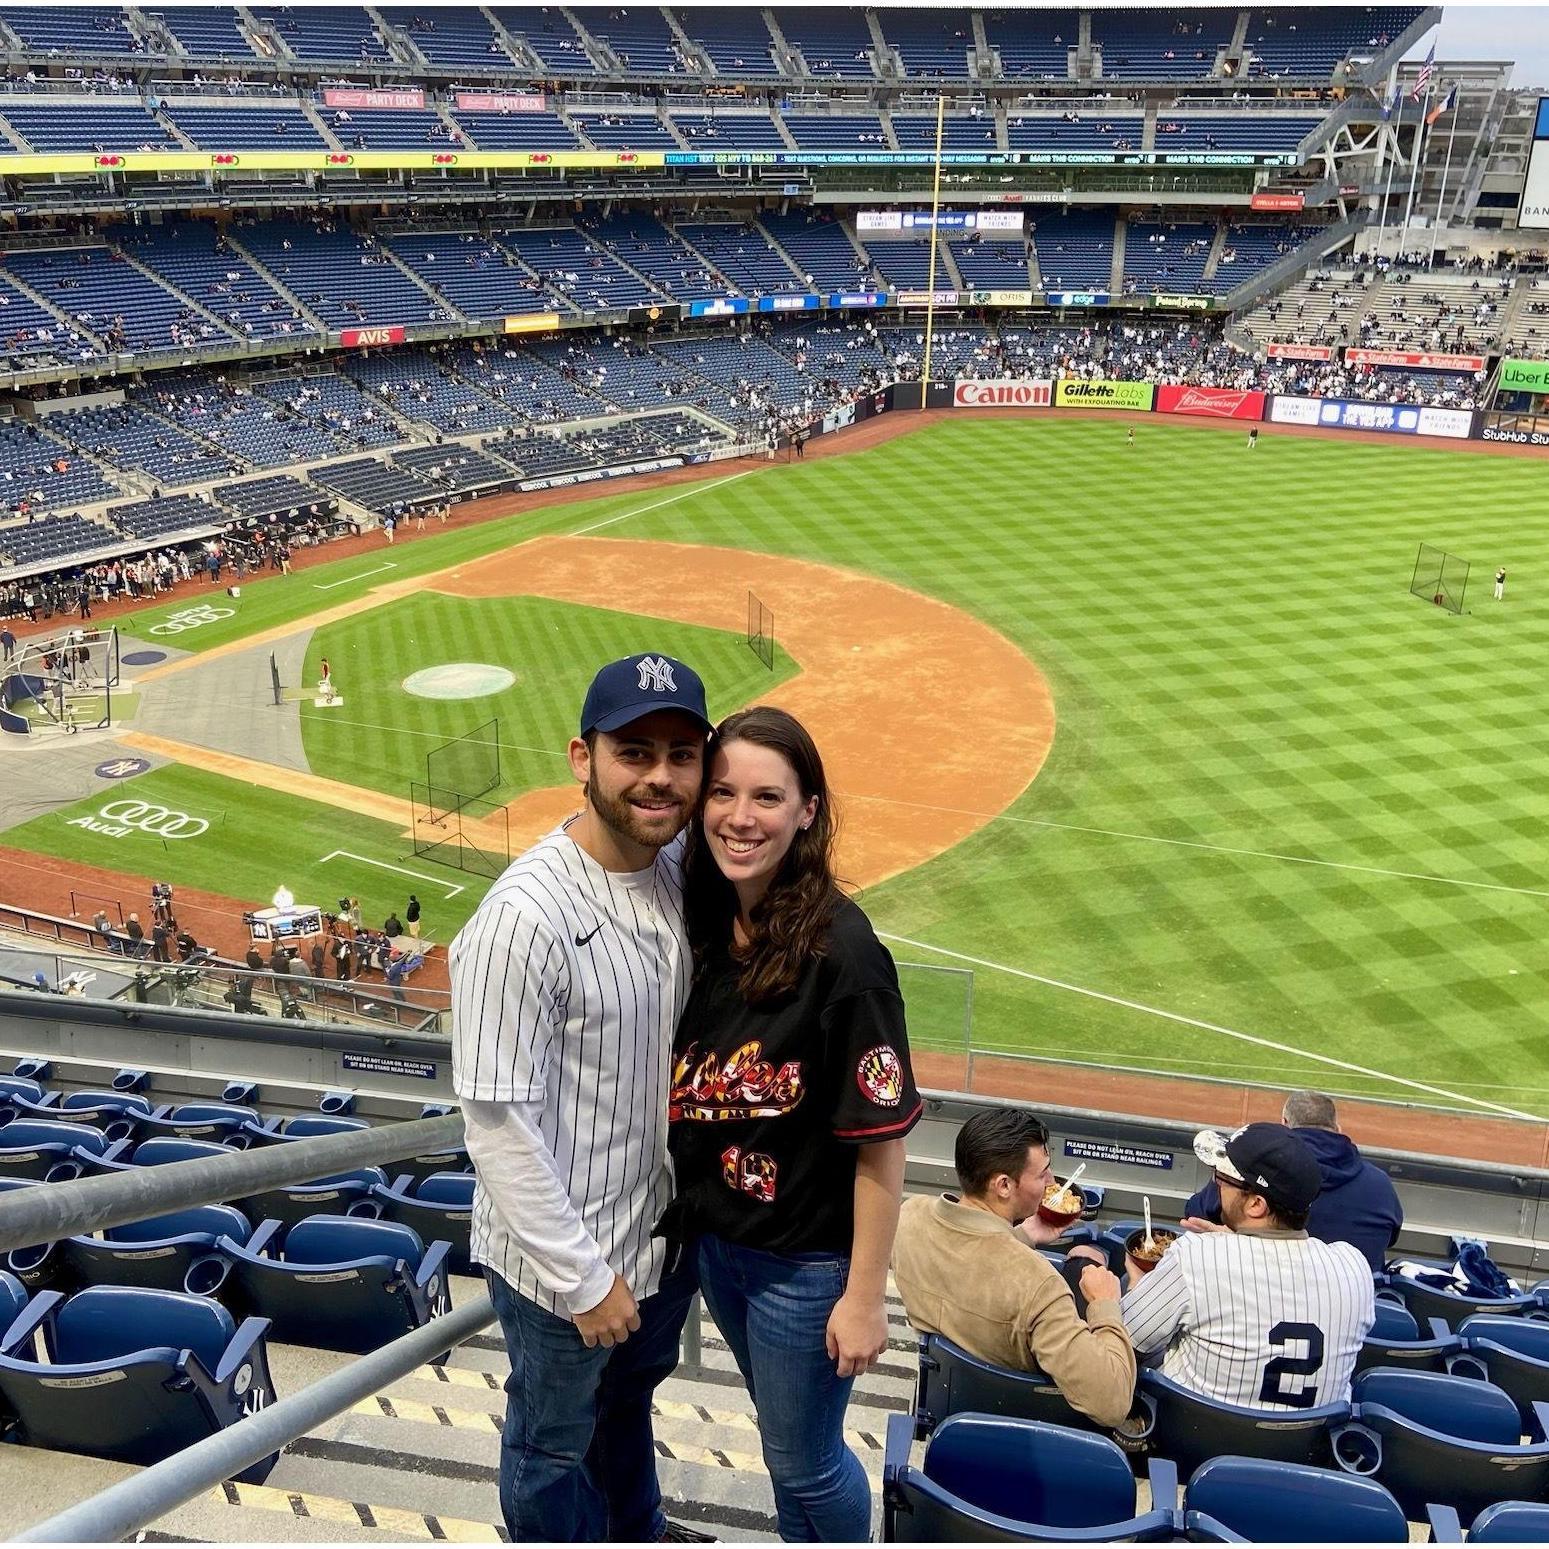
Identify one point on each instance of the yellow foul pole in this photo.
(930, 281)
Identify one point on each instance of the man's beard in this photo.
(630, 823)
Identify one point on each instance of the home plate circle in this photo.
(458, 680)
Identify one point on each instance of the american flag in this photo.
(1422, 80)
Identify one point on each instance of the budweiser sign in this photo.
(363, 338)
(1299, 351)
(356, 97)
(500, 101)
(1220, 403)
(1416, 360)
(1277, 201)
(1002, 393)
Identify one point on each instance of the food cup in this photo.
(1148, 1258)
(1061, 1206)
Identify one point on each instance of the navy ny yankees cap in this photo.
(625, 690)
(1265, 1159)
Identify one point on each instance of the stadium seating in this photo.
(1455, 1441)
(835, 44)
(1512, 1353)
(952, 1382)
(88, 126)
(416, 385)
(221, 1123)
(1007, 1480)
(643, 243)
(917, 132)
(173, 516)
(1426, 1302)
(905, 265)
(32, 335)
(1033, 44)
(160, 1252)
(734, 39)
(1075, 249)
(246, 128)
(835, 132)
(743, 255)
(51, 1150)
(1307, 43)
(438, 1207)
(932, 44)
(454, 470)
(342, 1282)
(1141, 45)
(1236, 1500)
(617, 131)
(178, 1369)
(527, 131)
(1506, 1522)
(818, 246)
(1190, 1428)
(1170, 256)
(549, 37)
(79, 29)
(577, 269)
(449, 34)
(728, 131)
(478, 277)
(1394, 1340)
(991, 265)
(278, 495)
(1116, 131)
(126, 437)
(639, 39)
(206, 32)
(333, 32)
(1227, 132)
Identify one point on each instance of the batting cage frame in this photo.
(1440, 578)
(461, 831)
(465, 767)
(68, 679)
(761, 630)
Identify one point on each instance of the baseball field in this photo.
(1153, 740)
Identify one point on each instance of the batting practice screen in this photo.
(468, 765)
(761, 630)
(1440, 578)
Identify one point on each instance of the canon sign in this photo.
(1002, 393)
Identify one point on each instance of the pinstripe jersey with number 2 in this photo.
(1266, 1320)
(567, 984)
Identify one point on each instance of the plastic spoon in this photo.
(1150, 1241)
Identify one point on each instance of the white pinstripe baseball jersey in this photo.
(566, 988)
(1266, 1320)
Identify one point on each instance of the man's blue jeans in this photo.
(773, 1311)
(577, 1462)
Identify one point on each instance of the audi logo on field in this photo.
(120, 818)
(190, 618)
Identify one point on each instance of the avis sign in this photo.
(365, 338)
(1002, 393)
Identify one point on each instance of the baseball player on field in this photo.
(1254, 1312)
(567, 985)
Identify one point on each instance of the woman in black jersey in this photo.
(791, 1095)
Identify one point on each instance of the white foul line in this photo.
(1200, 844)
(1212, 1027)
(403, 871)
(328, 586)
(409, 731)
(656, 505)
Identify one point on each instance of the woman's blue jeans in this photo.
(773, 1310)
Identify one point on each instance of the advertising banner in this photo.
(1221, 403)
(1070, 394)
(1299, 351)
(945, 220)
(1001, 393)
(532, 322)
(356, 97)
(1514, 429)
(1182, 303)
(647, 317)
(1076, 298)
(1534, 210)
(858, 298)
(789, 303)
(362, 338)
(1524, 376)
(922, 298)
(718, 306)
(500, 101)
(1272, 201)
(1403, 419)
(998, 298)
(1415, 360)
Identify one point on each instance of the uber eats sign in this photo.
(1525, 376)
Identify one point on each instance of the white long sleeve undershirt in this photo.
(518, 1175)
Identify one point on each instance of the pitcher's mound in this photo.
(458, 680)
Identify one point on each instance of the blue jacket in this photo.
(1358, 1204)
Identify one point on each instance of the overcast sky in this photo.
(1516, 32)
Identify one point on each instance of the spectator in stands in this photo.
(1259, 1314)
(1357, 1203)
(967, 1267)
(791, 1095)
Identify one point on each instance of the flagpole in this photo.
(1414, 172)
(1446, 172)
(1391, 100)
(935, 236)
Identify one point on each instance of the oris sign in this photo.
(1002, 393)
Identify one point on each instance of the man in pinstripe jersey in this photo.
(1255, 1312)
(566, 988)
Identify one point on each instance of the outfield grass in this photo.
(552, 647)
(1285, 798)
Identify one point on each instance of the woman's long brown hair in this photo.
(792, 918)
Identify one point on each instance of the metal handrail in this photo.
(68, 1209)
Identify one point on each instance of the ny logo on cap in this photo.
(656, 675)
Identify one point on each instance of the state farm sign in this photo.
(363, 338)
(1221, 403)
(1002, 393)
(1416, 360)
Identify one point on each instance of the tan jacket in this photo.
(964, 1273)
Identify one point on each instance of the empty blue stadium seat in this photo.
(1033, 44)
(1450, 1440)
(48, 1149)
(549, 36)
(1394, 1340)
(439, 1208)
(988, 1479)
(1513, 1353)
(222, 1123)
(952, 1381)
(158, 1252)
(734, 38)
(177, 1367)
(1506, 1522)
(1252, 1500)
(12, 1299)
(1190, 1428)
(450, 34)
(295, 1202)
(342, 1282)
